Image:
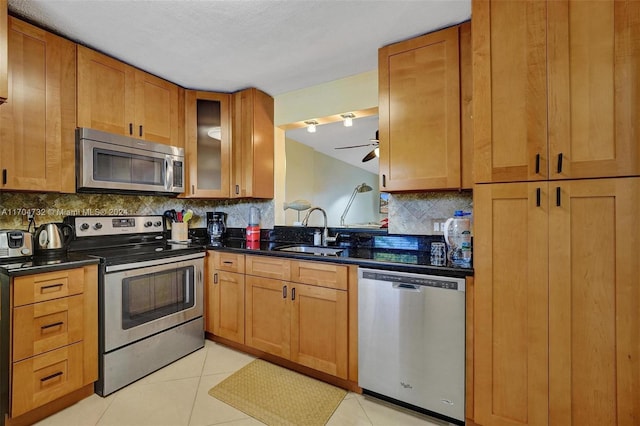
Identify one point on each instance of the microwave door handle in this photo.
(168, 175)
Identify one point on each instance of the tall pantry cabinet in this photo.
(557, 302)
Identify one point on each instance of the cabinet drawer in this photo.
(44, 378)
(50, 285)
(41, 327)
(320, 274)
(230, 262)
(270, 267)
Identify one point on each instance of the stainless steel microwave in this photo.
(112, 163)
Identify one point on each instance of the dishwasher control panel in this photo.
(415, 279)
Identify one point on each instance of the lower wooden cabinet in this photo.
(557, 293)
(225, 296)
(301, 317)
(295, 310)
(54, 346)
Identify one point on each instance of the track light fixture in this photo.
(311, 125)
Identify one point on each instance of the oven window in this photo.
(113, 166)
(156, 295)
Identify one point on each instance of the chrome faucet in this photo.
(325, 232)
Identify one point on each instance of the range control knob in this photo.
(158, 223)
(97, 226)
(25, 251)
(84, 226)
(148, 224)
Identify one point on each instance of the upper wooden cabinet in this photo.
(4, 69)
(37, 124)
(207, 144)
(555, 89)
(420, 110)
(117, 98)
(253, 144)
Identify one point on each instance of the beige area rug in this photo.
(277, 396)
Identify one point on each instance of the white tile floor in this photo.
(177, 395)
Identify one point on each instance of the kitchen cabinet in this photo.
(556, 303)
(37, 125)
(225, 301)
(54, 346)
(207, 144)
(555, 89)
(118, 98)
(252, 145)
(4, 69)
(296, 317)
(421, 86)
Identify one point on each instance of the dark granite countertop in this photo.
(34, 265)
(376, 250)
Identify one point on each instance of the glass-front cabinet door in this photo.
(207, 121)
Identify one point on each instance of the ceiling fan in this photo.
(372, 154)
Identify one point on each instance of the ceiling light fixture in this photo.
(348, 119)
(311, 125)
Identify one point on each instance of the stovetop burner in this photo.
(124, 239)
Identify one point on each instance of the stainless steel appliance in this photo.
(108, 163)
(411, 340)
(150, 295)
(52, 239)
(15, 243)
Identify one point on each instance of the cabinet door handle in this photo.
(55, 324)
(4, 176)
(47, 287)
(215, 278)
(140, 130)
(560, 163)
(284, 291)
(193, 189)
(293, 293)
(537, 197)
(558, 195)
(237, 189)
(51, 376)
(131, 128)
(537, 163)
(384, 181)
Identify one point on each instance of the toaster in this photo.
(15, 243)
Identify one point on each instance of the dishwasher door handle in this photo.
(407, 287)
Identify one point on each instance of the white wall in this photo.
(331, 191)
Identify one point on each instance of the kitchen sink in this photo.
(315, 250)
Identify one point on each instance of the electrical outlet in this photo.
(436, 226)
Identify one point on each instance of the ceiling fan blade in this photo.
(370, 156)
(355, 146)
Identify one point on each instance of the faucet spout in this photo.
(325, 232)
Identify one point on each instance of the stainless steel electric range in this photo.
(150, 295)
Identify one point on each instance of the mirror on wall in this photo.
(326, 168)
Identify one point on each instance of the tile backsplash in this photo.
(417, 213)
(52, 207)
(413, 214)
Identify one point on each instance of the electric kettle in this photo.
(52, 238)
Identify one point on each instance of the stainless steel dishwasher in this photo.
(411, 340)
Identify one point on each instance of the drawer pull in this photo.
(47, 287)
(55, 324)
(51, 376)
(228, 262)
